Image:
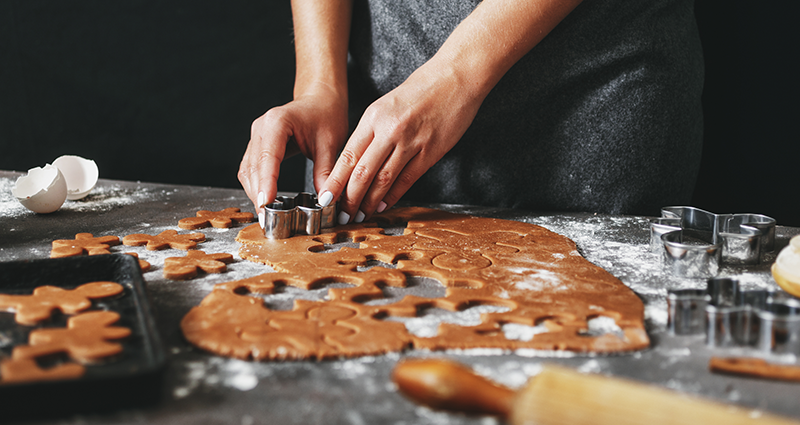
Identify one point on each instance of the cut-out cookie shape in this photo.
(13, 371)
(86, 338)
(536, 276)
(84, 243)
(167, 238)
(181, 268)
(31, 309)
(220, 219)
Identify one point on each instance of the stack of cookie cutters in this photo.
(695, 242)
(297, 215)
(763, 319)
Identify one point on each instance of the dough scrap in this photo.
(168, 238)
(34, 308)
(220, 219)
(143, 265)
(755, 367)
(537, 274)
(180, 268)
(84, 243)
(85, 339)
(13, 371)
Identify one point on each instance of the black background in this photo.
(166, 92)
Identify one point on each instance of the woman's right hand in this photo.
(314, 123)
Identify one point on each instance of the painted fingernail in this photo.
(382, 206)
(326, 198)
(359, 217)
(344, 217)
(262, 219)
(261, 200)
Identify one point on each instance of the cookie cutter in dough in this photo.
(766, 320)
(696, 242)
(297, 215)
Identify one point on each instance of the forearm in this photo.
(321, 33)
(493, 38)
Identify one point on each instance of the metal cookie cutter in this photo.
(297, 215)
(695, 242)
(763, 319)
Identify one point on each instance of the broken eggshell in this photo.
(43, 190)
(80, 173)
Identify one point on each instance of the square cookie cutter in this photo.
(301, 214)
(695, 242)
(730, 317)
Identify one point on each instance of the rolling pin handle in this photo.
(446, 385)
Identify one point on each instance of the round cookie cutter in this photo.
(301, 214)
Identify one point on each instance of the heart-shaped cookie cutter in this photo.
(695, 242)
(287, 216)
(763, 319)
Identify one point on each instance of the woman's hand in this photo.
(409, 129)
(314, 124)
(399, 137)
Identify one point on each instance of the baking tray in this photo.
(131, 379)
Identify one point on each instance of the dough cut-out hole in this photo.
(426, 324)
(336, 246)
(422, 287)
(52, 360)
(396, 229)
(283, 296)
(375, 263)
(601, 325)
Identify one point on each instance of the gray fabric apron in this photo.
(604, 115)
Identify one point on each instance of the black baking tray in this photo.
(131, 379)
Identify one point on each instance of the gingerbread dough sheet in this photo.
(537, 275)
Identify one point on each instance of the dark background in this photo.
(166, 91)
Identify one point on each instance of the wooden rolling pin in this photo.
(561, 396)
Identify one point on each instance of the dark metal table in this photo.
(203, 388)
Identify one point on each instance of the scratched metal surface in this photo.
(203, 388)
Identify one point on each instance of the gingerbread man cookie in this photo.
(167, 238)
(84, 243)
(31, 309)
(221, 219)
(85, 339)
(180, 268)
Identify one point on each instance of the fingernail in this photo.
(344, 217)
(262, 219)
(261, 200)
(382, 206)
(359, 217)
(326, 198)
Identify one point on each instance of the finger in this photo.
(364, 175)
(383, 181)
(338, 177)
(268, 164)
(261, 164)
(324, 160)
(405, 179)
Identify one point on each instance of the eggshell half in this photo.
(81, 175)
(42, 190)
